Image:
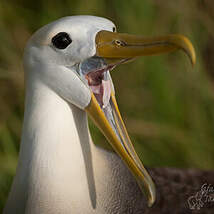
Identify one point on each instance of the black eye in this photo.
(114, 29)
(61, 40)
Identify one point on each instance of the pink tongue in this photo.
(102, 92)
(106, 92)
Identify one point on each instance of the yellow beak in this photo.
(116, 47)
(125, 46)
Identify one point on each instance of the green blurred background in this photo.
(168, 107)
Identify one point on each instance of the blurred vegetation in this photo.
(168, 107)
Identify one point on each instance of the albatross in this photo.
(67, 66)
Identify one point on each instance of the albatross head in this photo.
(73, 57)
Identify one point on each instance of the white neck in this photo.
(59, 169)
(55, 160)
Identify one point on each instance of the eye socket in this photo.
(61, 40)
(114, 29)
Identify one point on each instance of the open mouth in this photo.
(105, 113)
(95, 72)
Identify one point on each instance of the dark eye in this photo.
(114, 29)
(61, 40)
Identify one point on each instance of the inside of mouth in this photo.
(95, 72)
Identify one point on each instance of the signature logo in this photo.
(205, 195)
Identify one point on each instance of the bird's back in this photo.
(176, 191)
